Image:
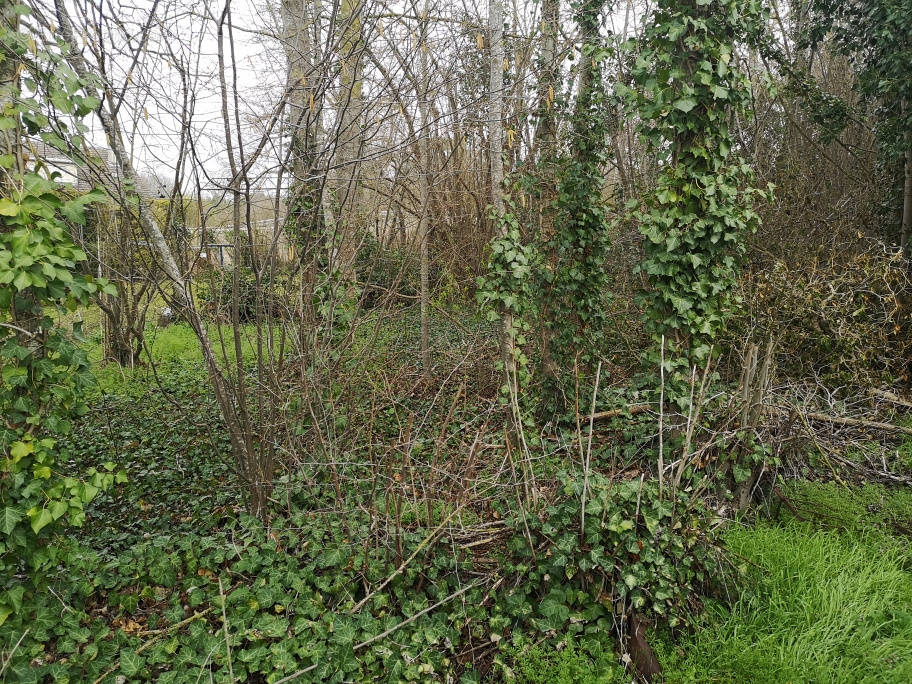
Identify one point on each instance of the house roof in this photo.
(77, 174)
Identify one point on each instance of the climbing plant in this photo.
(687, 90)
(507, 292)
(574, 287)
(44, 375)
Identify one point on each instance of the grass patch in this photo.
(868, 507)
(822, 607)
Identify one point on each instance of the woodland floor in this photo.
(828, 597)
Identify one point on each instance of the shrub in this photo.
(217, 294)
(638, 551)
(845, 322)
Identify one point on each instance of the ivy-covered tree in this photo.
(555, 282)
(695, 219)
(575, 288)
(44, 374)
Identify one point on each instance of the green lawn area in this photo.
(821, 604)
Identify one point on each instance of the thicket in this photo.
(409, 523)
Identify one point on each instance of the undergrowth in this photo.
(560, 662)
(171, 581)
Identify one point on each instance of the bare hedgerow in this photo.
(846, 322)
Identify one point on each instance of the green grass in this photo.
(870, 507)
(824, 607)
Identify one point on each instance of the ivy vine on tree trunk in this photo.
(574, 276)
(688, 88)
(557, 281)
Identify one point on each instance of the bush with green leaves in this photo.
(147, 591)
(44, 374)
(243, 603)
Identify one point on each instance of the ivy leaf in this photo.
(130, 663)
(685, 104)
(20, 450)
(554, 609)
(74, 210)
(41, 519)
(8, 208)
(14, 597)
(720, 92)
(9, 518)
(22, 280)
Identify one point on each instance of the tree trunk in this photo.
(11, 138)
(495, 134)
(305, 206)
(495, 106)
(424, 170)
(548, 82)
(546, 141)
(906, 232)
(349, 114)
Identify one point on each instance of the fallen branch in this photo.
(427, 540)
(633, 410)
(858, 422)
(891, 397)
(394, 628)
(873, 473)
